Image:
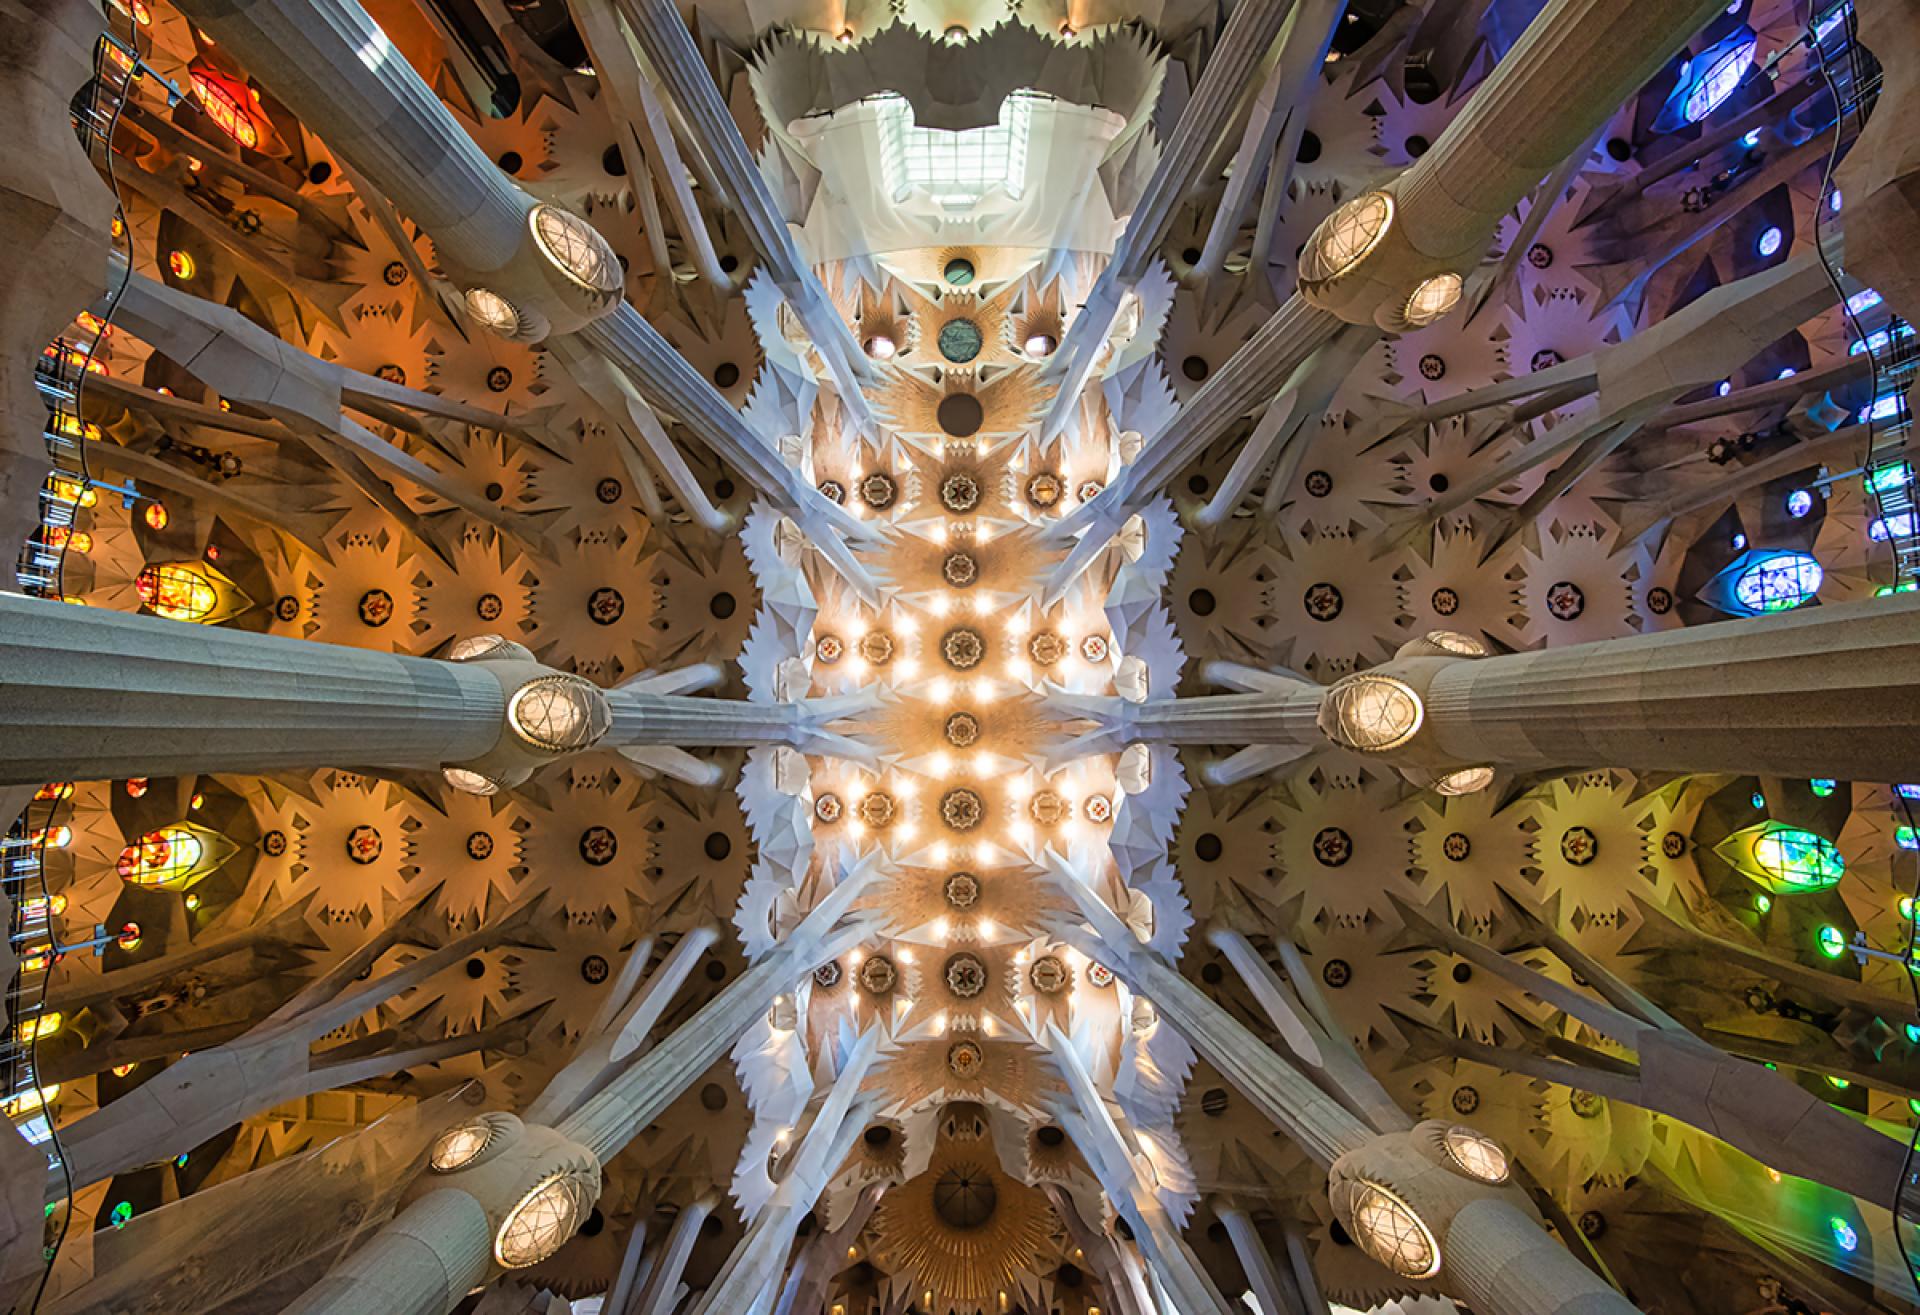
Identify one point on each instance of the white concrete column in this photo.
(1829, 691)
(754, 1268)
(662, 1289)
(1281, 717)
(421, 1263)
(88, 694)
(610, 1118)
(330, 63)
(1272, 1288)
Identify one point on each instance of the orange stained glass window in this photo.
(160, 858)
(177, 592)
(224, 107)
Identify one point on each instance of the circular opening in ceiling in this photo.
(510, 162)
(1309, 148)
(1195, 368)
(1207, 848)
(965, 1198)
(879, 1135)
(718, 846)
(961, 415)
(960, 341)
(959, 272)
(1200, 602)
(611, 163)
(726, 374)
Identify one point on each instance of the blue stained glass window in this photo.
(1778, 582)
(1716, 74)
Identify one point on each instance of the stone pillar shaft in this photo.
(1273, 1288)
(419, 1264)
(333, 65)
(88, 694)
(657, 1297)
(1822, 691)
(640, 718)
(1504, 1263)
(1571, 68)
(1245, 384)
(1284, 717)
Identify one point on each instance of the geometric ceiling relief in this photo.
(1029, 659)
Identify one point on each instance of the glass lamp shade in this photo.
(1432, 299)
(1468, 780)
(559, 713)
(474, 646)
(1371, 714)
(493, 312)
(1388, 1230)
(578, 250)
(544, 1219)
(1455, 642)
(1476, 1156)
(1346, 237)
(470, 782)
(460, 1145)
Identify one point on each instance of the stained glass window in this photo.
(178, 591)
(1783, 859)
(166, 857)
(222, 104)
(1715, 75)
(956, 169)
(1777, 582)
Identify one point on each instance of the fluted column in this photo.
(1230, 68)
(670, 48)
(1283, 717)
(658, 1296)
(1489, 1249)
(87, 694)
(1561, 80)
(1821, 691)
(330, 63)
(611, 1118)
(1273, 1288)
(419, 1264)
(760, 1258)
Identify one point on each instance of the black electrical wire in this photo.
(85, 477)
(1853, 323)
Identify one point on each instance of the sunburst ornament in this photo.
(964, 1229)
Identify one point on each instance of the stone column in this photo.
(1282, 717)
(1828, 691)
(1482, 1242)
(88, 694)
(333, 66)
(633, 1098)
(419, 1264)
(1272, 1287)
(1230, 67)
(1118, 1166)
(760, 1258)
(1566, 74)
(662, 1288)
(670, 48)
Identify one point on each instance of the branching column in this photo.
(1479, 1241)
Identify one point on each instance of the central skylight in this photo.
(955, 169)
